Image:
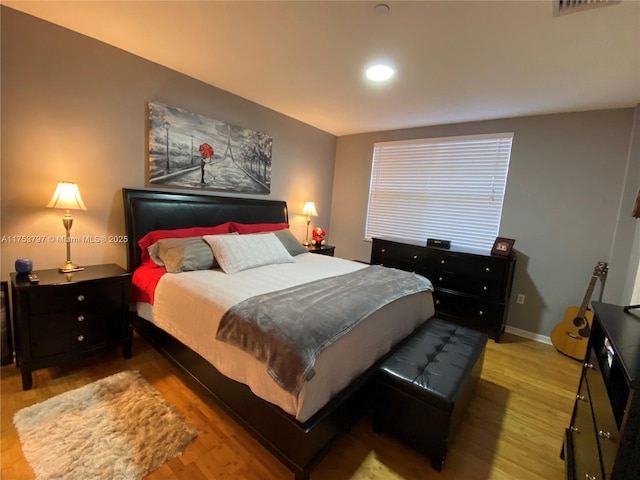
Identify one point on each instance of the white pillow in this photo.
(235, 253)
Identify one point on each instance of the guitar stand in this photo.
(630, 307)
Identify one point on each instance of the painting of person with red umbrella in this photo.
(206, 152)
(194, 151)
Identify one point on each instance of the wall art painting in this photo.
(190, 150)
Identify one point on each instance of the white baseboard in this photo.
(530, 335)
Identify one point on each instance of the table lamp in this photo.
(309, 210)
(67, 196)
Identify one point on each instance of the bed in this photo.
(296, 420)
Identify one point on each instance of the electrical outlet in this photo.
(520, 298)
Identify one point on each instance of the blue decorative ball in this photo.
(24, 265)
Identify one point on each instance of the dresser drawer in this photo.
(483, 268)
(487, 289)
(106, 294)
(481, 276)
(469, 308)
(404, 257)
(605, 424)
(586, 459)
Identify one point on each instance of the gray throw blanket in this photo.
(287, 329)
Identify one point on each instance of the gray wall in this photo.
(567, 177)
(75, 109)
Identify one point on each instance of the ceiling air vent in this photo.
(563, 7)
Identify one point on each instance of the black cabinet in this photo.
(6, 339)
(328, 250)
(472, 288)
(68, 316)
(603, 439)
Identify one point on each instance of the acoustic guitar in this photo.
(571, 335)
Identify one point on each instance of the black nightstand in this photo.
(68, 316)
(322, 249)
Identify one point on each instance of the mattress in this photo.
(189, 306)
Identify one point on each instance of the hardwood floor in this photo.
(513, 430)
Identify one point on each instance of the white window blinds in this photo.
(447, 188)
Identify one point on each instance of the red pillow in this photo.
(152, 237)
(243, 228)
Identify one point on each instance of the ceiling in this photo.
(456, 61)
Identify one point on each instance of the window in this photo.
(447, 188)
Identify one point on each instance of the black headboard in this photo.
(148, 210)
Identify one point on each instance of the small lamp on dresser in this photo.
(309, 210)
(67, 196)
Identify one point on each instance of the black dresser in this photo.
(603, 439)
(472, 288)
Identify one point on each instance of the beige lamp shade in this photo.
(309, 210)
(67, 196)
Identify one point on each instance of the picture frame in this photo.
(503, 246)
(189, 150)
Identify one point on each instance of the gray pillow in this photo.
(290, 242)
(183, 254)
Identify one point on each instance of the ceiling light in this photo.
(379, 73)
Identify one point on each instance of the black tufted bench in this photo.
(424, 388)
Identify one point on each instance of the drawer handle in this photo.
(81, 338)
(485, 288)
(442, 262)
(81, 298)
(437, 302)
(590, 477)
(589, 365)
(382, 250)
(480, 313)
(487, 269)
(81, 318)
(607, 435)
(415, 257)
(581, 397)
(439, 279)
(574, 429)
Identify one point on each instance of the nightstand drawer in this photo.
(57, 333)
(86, 296)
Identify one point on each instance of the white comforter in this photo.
(189, 306)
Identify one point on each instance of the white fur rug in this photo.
(115, 428)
